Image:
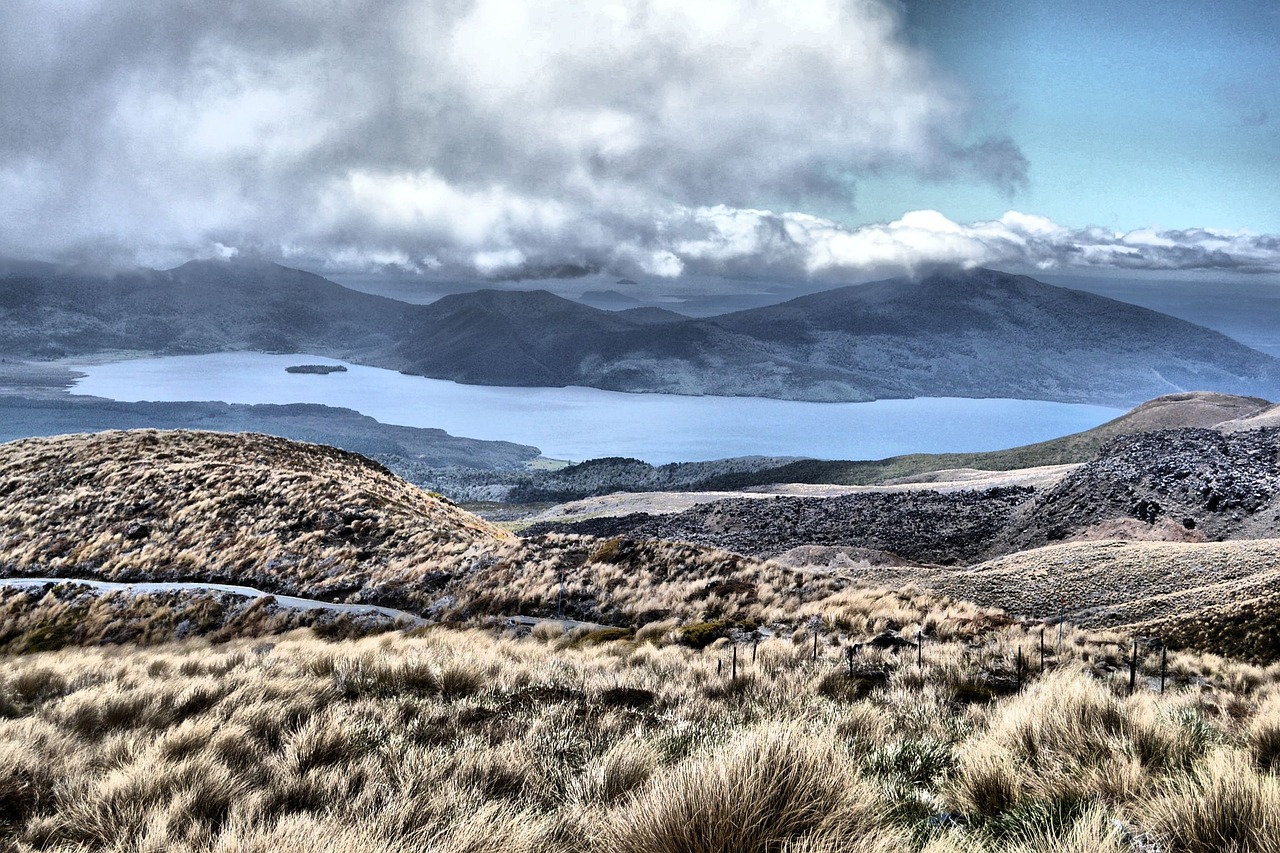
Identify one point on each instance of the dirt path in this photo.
(289, 602)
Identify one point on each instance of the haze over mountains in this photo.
(977, 333)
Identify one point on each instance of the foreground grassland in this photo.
(455, 741)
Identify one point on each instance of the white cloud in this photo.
(814, 246)
(560, 129)
(508, 137)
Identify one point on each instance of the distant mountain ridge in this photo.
(976, 333)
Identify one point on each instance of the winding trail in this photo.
(290, 602)
(287, 601)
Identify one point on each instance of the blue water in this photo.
(584, 423)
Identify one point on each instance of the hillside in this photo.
(316, 522)
(1187, 484)
(976, 333)
(199, 307)
(1219, 596)
(1167, 484)
(249, 509)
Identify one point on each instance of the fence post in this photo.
(815, 644)
(1042, 651)
(735, 661)
(1133, 667)
(1062, 621)
(1019, 667)
(920, 650)
(1164, 664)
(848, 653)
(755, 643)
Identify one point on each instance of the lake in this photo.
(583, 423)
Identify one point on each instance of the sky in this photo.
(744, 139)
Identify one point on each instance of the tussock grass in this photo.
(187, 505)
(766, 788)
(448, 740)
(583, 740)
(1221, 806)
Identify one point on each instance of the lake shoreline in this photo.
(577, 423)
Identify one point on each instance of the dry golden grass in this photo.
(313, 521)
(193, 505)
(1216, 596)
(447, 741)
(565, 740)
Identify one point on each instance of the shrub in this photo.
(699, 635)
(601, 635)
(1264, 735)
(987, 785)
(920, 762)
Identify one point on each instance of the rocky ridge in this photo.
(1182, 485)
(920, 526)
(1189, 483)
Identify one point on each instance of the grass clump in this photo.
(1221, 806)
(769, 787)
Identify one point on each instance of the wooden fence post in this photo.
(848, 653)
(735, 661)
(1133, 667)
(1164, 664)
(1042, 651)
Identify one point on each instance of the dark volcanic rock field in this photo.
(923, 526)
(1217, 485)
(1180, 484)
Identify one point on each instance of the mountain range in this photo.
(948, 332)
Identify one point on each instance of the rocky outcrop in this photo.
(922, 526)
(1187, 485)
(1209, 484)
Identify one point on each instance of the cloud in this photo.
(508, 139)
(744, 240)
(481, 135)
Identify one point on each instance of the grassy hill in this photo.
(321, 523)
(1217, 596)
(233, 507)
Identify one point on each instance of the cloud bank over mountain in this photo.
(506, 138)
(745, 239)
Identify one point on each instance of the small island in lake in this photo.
(316, 368)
